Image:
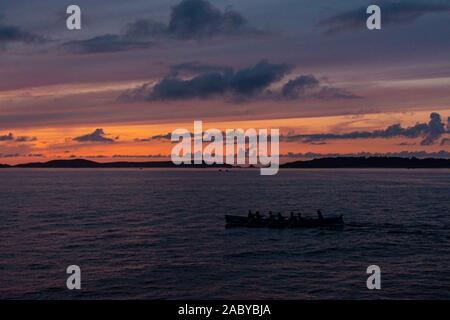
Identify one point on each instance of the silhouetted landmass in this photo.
(369, 162)
(81, 163)
(338, 162)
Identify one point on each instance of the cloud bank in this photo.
(241, 84)
(442, 154)
(430, 133)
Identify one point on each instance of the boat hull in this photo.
(237, 221)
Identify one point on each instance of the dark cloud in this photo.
(194, 19)
(308, 86)
(7, 137)
(212, 81)
(430, 133)
(298, 86)
(252, 80)
(25, 139)
(238, 84)
(97, 136)
(9, 34)
(392, 13)
(160, 137)
(11, 137)
(190, 19)
(435, 129)
(201, 86)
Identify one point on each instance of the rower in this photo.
(257, 215)
(250, 214)
(292, 217)
(319, 214)
(280, 216)
(270, 215)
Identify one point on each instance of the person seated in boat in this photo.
(319, 214)
(258, 215)
(250, 215)
(270, 215)
(280, 216)
(299, 216)
(292, 217)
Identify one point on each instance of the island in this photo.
(370, 162)
(331, 163)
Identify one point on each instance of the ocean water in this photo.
(159, 234)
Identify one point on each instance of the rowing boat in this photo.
(238, 221)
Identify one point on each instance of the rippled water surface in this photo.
(147, 234)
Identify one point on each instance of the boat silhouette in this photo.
(286, 223)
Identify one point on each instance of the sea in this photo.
(160, 234)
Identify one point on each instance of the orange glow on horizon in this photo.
(58, 143)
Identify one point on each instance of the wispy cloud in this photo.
(308, 86)
(105, 43)
(393, 13)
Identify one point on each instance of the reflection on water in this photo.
(160, 234)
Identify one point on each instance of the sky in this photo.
(137, 70)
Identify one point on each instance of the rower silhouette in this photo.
(320, 215)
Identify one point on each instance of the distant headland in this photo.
(82, 163)
(335, 162)
(370, 162)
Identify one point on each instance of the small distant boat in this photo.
(238, 221)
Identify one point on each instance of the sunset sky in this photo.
(140, 69)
